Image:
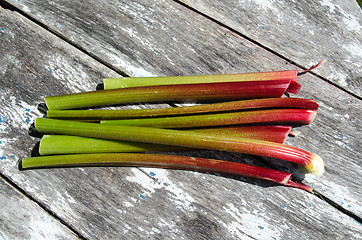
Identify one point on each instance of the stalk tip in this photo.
(35, 151)
(42, 107)
(312, 116)
(20, 165)
(294, 133)
(316, 166)
(34, 132)
(100, 86)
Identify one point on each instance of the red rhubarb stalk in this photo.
(202, 91)
(164, 161)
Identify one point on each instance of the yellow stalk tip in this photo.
(316, 166)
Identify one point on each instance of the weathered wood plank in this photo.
(109, 202)
(301, 31)
(21, 218)
(149, 43)
(336, 136)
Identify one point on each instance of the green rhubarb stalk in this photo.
(205, 108)
(312, 162)
(294, 116)
(203, 91)
(126, 82)
(163, 161)
(59, 144)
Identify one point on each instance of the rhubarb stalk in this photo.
(203, 91)
(294, 116)
(312, 162)
(198, 109)
(126, 82)
(164, 161)
(59, 144)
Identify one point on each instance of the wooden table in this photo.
(57, 47)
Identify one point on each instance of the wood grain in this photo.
(302, 31)
(21, 218)
(132, 203)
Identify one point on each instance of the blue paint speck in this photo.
(152, 174)
(50, 70)
(2, 157)
(27, 109)
(3, 119)
(348, 147)
(350, 102)
(142, 196)
(12, 155)
(2, 29)
(264, 27)
(282, 206)
(309, 204)
(260, 227)
(340, 136)
(27, 120)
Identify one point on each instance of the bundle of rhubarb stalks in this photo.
(247, 114)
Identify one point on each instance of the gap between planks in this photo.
(264, 47)
(11, 7)
(42, 206)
